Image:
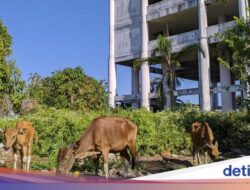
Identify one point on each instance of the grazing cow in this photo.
(103, 135)
(203, 139)
(21, 139)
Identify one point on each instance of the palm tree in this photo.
(169, 62)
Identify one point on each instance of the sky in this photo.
(49, 35)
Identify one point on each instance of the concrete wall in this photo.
(166, 7)
(181, 40)
(127, 29)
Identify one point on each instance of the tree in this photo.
(169, 63)
(11, 84)
(234, 50)
(70, 88)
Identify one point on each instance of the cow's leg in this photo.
(24, 158)
(126, 159)
(21, 158)
(96, 162)
(205, 156)
(195, 155)
(29, 155)
(15, 159)
(105, 153)
(132, 149)
(199, 158)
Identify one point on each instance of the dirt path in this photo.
(158, 164)
(145, 165)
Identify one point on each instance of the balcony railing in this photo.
(167, 7)
(181, 40)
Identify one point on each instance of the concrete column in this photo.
(244, 14)
(227, 97)
(225, 80)
(247, 6)
(242, 9)
(204, 59)
(145, 80)
(112, 65)
(135, 86)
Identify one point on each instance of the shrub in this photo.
(156, 131)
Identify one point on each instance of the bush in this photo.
(156, 131)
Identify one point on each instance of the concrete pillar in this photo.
(247, 6)
(145, 80)
(226, 97)
(112, 65)
(242, 9)
(204, 59)
(135, 86)
(225, 80)
(244, 14)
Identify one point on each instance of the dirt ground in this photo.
(145, 165)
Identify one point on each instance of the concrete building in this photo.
(134, 27)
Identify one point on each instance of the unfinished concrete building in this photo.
(134, 27)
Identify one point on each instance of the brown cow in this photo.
(203, 139)
(21, 139)
(104, 135)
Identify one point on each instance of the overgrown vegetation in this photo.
(69, 88)
(168, 130)
(11, 84)
(234, 51)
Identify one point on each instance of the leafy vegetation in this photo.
(234, 50)
(69, 88)
(168, 130)
(11, 84)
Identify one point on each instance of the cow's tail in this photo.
(132, 146)
(37, 142)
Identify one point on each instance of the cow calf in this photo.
(203, 139)
(21, 139)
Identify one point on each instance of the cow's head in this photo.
(10, 136)
(66, 159)
(213, 150)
